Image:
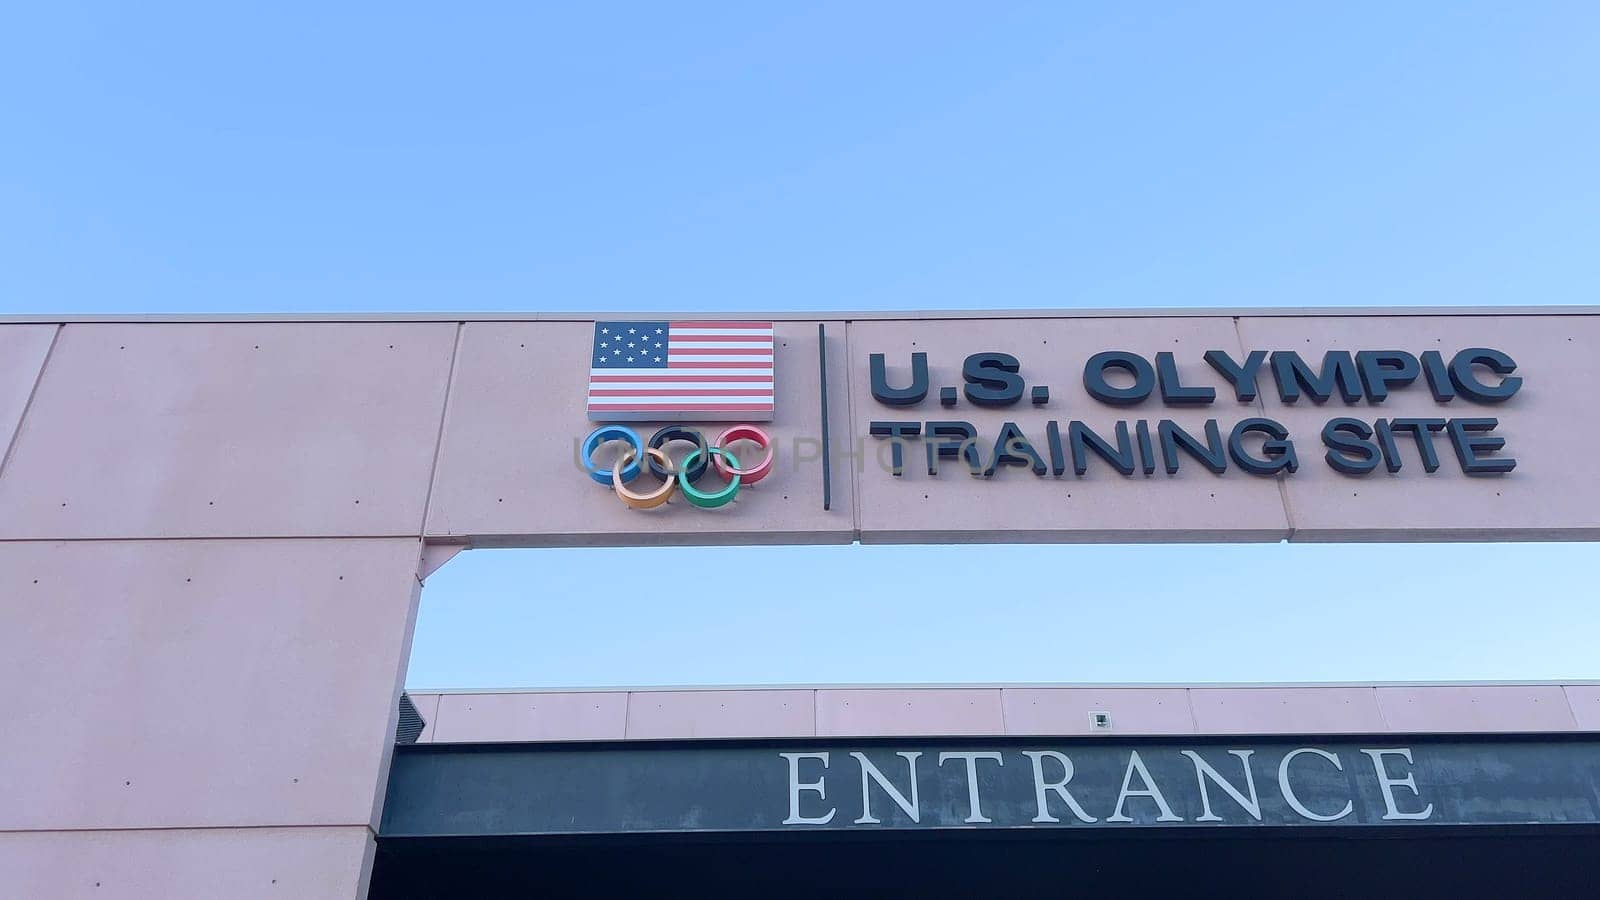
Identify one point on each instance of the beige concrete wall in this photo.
(230, 431)
(466, 432)
(199, 718)
(239, 864)
(1042, 710)
(211, 534)
(208, 581)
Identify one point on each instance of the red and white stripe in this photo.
(716, 371)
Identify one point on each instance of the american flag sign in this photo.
(712, 371)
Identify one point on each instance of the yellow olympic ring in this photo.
(652, 499)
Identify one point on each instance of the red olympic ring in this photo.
(750, 474)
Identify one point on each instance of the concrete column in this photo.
(210, 539)
(199, 718)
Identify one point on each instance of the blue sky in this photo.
(267, 157)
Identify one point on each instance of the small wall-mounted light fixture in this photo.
(1099, 720)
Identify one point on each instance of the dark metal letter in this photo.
(1094, 377)
(909, 396)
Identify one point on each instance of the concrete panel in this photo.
(1550, 428)
(508, 467)
(200, 683)
(721, 714)
(230, 431)
(1066, 711)
(575, 716)
(1584, 701)
(22, 352)
(1300, 710)
(1024, 710)
(1476, 708)
(240, 864)
(887, 712)
(1016, 505)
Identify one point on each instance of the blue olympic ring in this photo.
(612, 433)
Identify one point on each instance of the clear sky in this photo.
(651, 157)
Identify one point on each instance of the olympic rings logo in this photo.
(682, 477)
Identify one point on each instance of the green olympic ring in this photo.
(700, 498)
